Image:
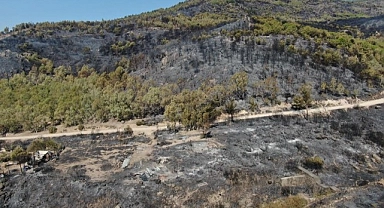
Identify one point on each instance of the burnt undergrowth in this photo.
(247, 163)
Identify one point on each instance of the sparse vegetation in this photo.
(5, 157)
(303, 100)
(81, 127)
(128, 131)
(315, 162)
(43, 144)
(103, 202)
(230, 108)
(140, 123)
(20, 155)
(291, 201)
(52, 129)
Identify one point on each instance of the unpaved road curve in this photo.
(150, 129)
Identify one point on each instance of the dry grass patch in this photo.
(291, 202)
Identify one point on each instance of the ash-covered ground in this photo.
(243, 164)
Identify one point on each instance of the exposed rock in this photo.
(381, 182)
(377, 158)
(298, 180)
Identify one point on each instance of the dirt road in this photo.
(148, 130)
(310, 111)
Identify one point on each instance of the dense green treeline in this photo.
(34, 101)
(39, 100)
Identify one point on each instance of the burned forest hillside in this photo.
(196, 41)
(209, 103)
(256, 53)
(333, 160)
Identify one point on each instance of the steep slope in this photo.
(234, 54)
(149, 40)
(258, 53)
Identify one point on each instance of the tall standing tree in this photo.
(206, 116)
(238, 84)
(303, 99)
(43, 144)
(173, 113)
(20, 155)
(253, 106)
(152, 101)
(230, 108)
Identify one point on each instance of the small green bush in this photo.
(140, 123)
(81, 127)
(52, 129)
(5, 157)
(3, 129)
(128, 130)
(314, 162)
(291, 202)
(43, 144)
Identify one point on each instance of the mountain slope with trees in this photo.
(190, 61)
